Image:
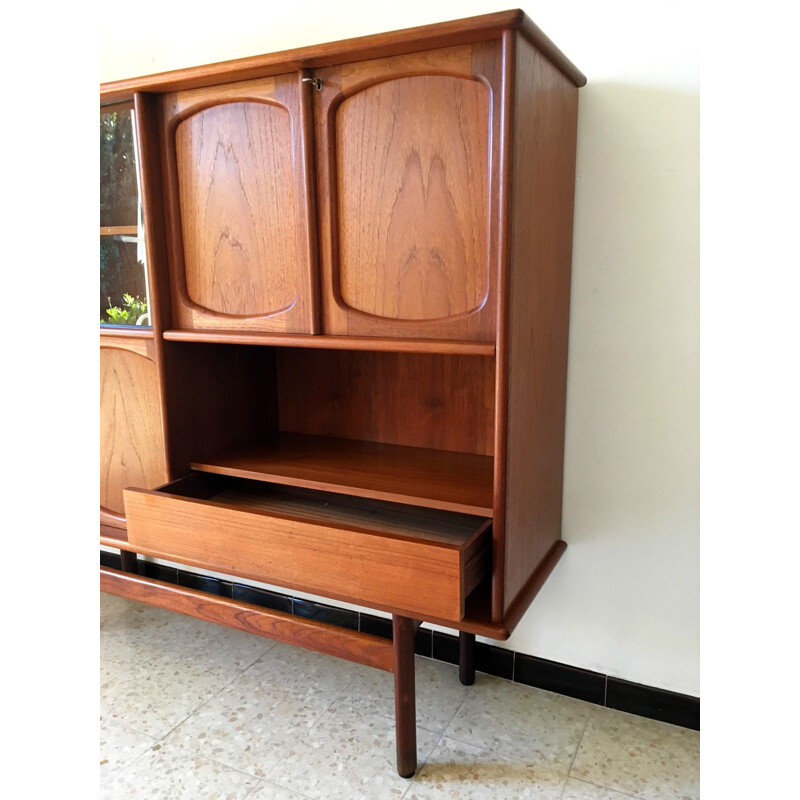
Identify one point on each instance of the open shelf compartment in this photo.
(419, 476)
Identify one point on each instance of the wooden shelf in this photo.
(323, 342)
(417, 476)
(120, 230)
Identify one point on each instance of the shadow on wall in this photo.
(624, 600)
(633, 387)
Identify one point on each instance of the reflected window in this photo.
(124, 296)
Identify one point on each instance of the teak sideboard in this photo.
(335, 294)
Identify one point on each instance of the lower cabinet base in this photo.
(396, 656)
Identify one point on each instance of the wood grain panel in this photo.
(444, 402)
(540, 254)
(337, 342)
(131, 440)
(243, 246)
(412, 166)
(361, 648)
(420, 476)
(419, 576)
(406, 183)
(235, 184)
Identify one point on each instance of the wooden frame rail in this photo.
(396, 656)
(362, 648)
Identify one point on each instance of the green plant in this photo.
(134, 308)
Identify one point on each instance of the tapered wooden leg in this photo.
(466, 658)
(129, 561)
(404, 630)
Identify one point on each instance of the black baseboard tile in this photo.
(204, 583)
(494, 660)
(444, 647)
(159, 572)
(376, 626)
(648, 701)
(341, 617)
(380, 626)
(561, 678)
(110, 560)
(262, 597)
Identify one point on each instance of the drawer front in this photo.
(423, 578)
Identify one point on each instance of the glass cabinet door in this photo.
(123, 275)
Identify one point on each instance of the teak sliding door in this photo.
(239, 211)
(131, 432)
(408, 188)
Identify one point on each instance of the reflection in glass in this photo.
(123, 277)
(123, 285)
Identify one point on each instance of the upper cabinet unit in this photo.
(242, 253)
(408, 177)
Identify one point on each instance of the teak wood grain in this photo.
(376, 556)
(441, 402)
(419, 476)
(404, 171)
(361, 648)
(322, 342)
(540, 256)
(408, 40)
(131, 445)
(239, 215)
(412, 226)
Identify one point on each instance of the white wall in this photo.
(625, 597)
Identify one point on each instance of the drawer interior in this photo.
(462, 531)
(401, 558)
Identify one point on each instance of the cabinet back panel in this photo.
(444, 402)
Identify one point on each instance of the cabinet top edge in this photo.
(407, 40)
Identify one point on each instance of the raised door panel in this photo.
(242, 247)
(409, 193)
(131, 435)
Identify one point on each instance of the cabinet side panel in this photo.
(540, 255)
(219, 397)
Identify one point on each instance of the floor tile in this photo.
(120, 746)
(522, 723)
(271, 791)
(580, 790)
(348, 756)
(439, 693)
(305, 671)
(251, 724)
(160, 692)
(458, 770)
(169, 773)
(652, 760)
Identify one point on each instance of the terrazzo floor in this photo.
(193, 710)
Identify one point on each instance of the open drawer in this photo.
(417, 561)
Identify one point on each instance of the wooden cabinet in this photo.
(408, 177)
(238, 207)
(358, 259)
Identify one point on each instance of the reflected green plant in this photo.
(134, 308)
